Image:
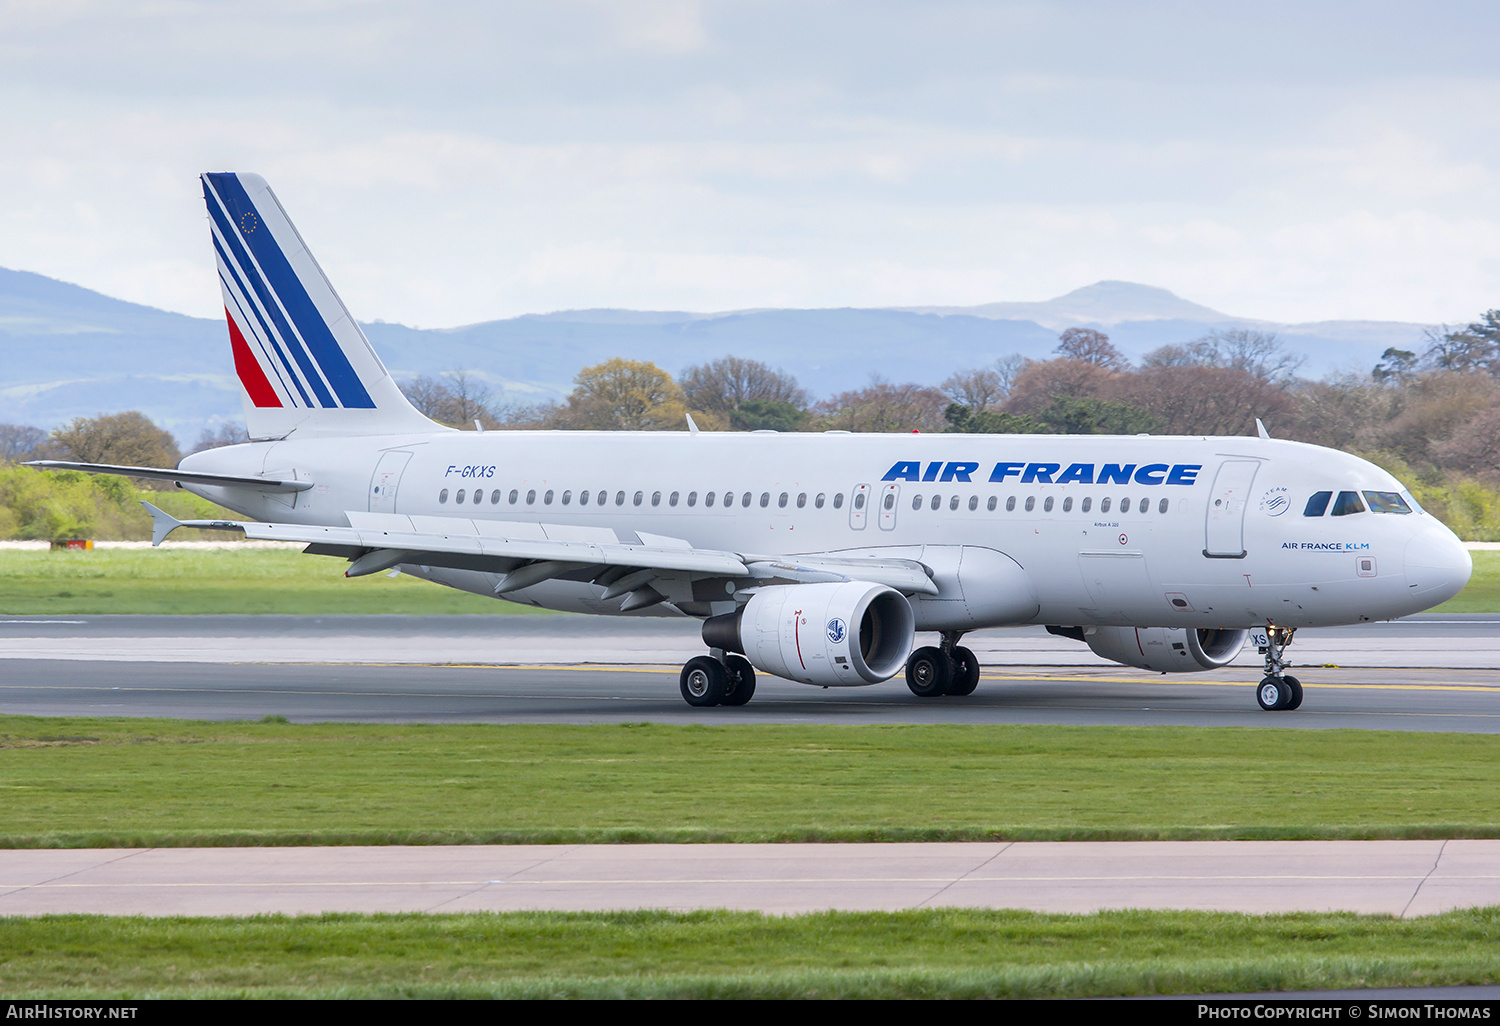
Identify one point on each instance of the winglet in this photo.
(692, 426)
(1260, 429)
(162, 523)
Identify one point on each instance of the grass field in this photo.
(140, 783)
(930, 953)
(248, 580)
(285, 581)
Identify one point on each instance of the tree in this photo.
(764, 414)
(457, 399)
(127, 439)
(1257, 353)
(965, 420)
(624, 395)
(725, 385)
(20, 442)
(884, 407)
(977, 389)
(1475, 347)
(217, 438)
(1091, 416)
(1038, 383)
(1396, 366)
(1089, 346)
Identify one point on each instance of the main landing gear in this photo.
(948, 669)
(1278, 690)
(717, 679)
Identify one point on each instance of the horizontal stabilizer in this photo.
(260, 484)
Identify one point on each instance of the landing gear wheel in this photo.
(1273, 694)
(1296, 686)
(704, 681)
(741, 687)
(928, 671)
(965, 672)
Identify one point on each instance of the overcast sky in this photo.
(457, 162)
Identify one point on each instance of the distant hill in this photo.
(69, 351)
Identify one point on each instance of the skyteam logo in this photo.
(1048, 473)
(1275, 502)
(837, 631)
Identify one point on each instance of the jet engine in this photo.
(1163, 649)
(848, 633)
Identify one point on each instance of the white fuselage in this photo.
(1110, 530)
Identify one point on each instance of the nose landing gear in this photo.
(1278, 690)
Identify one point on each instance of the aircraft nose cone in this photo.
(1437, 566)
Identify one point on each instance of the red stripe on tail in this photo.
(248, 368)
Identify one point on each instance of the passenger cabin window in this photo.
(1347, 504)
(818, 502)
(672, 499)
(693, 498)
(547, 499)
(619, 498)
(1068, 504)
(1030, 503)
(1125, 505)
(656, 498)
(1087, 502)
(478, 496)
(459, 498)
(514, 495)
(638, 497)
(801, 500)
(838, 501)
(1104, 505)
(745, 501)
(973, 503)
(765, 499)
(495, 497)
(916, 502)
(781, 502)
(1317, 505)
(1161, 507)
(890, 500)
(1010, 504)
(1386, 502)
(567, 498)
(530, 497)
(937, 502)
(859, 501)
(708, 500)
(443, 495)
(991, 504)
(1047, 505)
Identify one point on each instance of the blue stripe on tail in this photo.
(294, 298)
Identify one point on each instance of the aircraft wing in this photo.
(643, 573)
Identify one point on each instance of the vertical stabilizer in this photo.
(303, 363)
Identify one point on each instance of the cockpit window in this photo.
(1318, 504)
(1386, 502)
(1347, 503)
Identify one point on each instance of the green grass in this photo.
(915, 954)
(138, 783)
(285, 581)
(249, 580)
(1482, 595)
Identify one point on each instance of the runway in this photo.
(470, 669)
(1398, 878)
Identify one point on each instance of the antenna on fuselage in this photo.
(1260, 429)
(692, 427)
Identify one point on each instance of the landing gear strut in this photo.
(1278, 690)
(717, 679)
(948, 669)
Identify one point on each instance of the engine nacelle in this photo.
(1168, 649)
(847, 633)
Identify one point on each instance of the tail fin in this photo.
(303, 362)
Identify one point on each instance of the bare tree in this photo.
(1257, 353)
(20, 442)
(727, 384)
(978, 388)
(1089, 346)
(1038, 383)
(457, 399)
(884, 407)
(217, 438)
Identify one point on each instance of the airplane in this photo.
(816, 557)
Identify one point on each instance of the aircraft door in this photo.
(890, 497)
(858, 500)
(1224, 530)
(385, 481)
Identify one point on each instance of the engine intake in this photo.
(1164, 649)
(843, 634)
